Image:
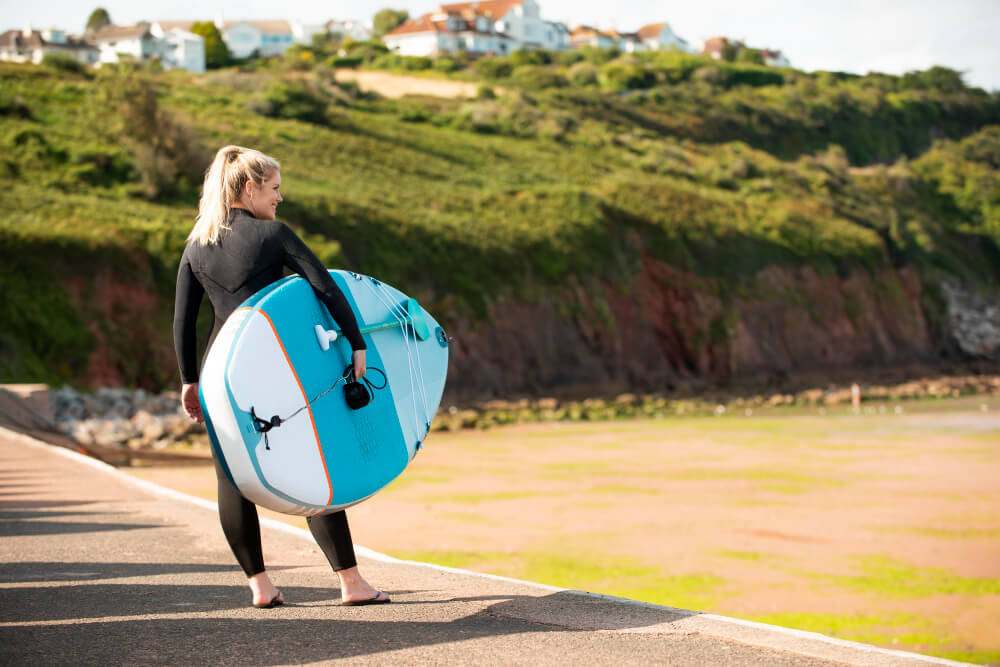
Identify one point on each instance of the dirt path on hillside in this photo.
(391, 85)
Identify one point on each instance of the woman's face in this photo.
(264, 200)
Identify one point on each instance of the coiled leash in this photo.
(356, 394)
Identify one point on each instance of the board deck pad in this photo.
(268, 360)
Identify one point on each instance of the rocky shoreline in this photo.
(119, 417)
(137, 420)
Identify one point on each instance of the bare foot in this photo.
(263, 590)
(354, 588)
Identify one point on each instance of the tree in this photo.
(216, 52)
(752, 56)
(730, 50)
(97, 20)
(387, 20)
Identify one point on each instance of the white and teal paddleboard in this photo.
(279, 354)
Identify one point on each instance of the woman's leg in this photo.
(242, 529)
(333, 536)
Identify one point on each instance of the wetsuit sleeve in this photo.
(187, 301)
(302, 260)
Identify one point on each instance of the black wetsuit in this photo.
(251, 255)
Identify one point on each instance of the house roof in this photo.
(419, 24)
(113, 33)
(494, 9)
(714, 44)
(17, 39)
(277, 26)
(651, 30)
(428, 23)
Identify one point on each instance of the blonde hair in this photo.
(225, 179)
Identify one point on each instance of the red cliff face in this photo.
(671, 327)
(665, 329)
(130, 326)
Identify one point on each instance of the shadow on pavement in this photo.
(264, 637)
(26, 571)
(19, 524)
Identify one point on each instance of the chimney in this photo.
(27, 30)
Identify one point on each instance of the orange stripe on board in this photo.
(308, 407)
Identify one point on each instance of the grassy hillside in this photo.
(468, 203)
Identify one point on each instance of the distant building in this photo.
(261, 38)
(356, 30)
(659, 36)
(434, 34)
(490, 26)
(715, 46)
(585, 35)
(133, 41)
(557, 34)
(30, 46)
(179, 47)
(629, 42)
(774, 58)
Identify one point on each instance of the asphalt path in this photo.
(99, 568)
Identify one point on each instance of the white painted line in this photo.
(302, 533)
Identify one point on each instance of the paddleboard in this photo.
(272, 393)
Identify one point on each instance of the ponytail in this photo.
(225, 179)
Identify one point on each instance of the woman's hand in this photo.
(189, 399)
(358, 359)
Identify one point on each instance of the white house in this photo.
(659, 36)
(179, 47)
(556, 36)
(303, 33)
(30, 45)
(356, 30)
(133, 41)
(433, 34)
(183, 50)
(265, 38)
(715, 46)
(585, 35)
(774, 58)
(489, 26)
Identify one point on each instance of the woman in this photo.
(235, 249)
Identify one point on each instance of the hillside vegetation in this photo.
(570, 180)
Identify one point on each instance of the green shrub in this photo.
(416, 63)
(446, 65)
(63, 62)
(13, 106)
(570, 57)
(521, 57)
(293, 99)
(349, 62)
(534, 77)
(597, 56)
(623, 76)
(493, 67)
(583, 74)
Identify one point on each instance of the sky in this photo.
(892, 36)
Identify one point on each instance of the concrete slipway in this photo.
(101, 568)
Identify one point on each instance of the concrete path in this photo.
(100, 568)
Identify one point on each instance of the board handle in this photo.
(325, 337)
